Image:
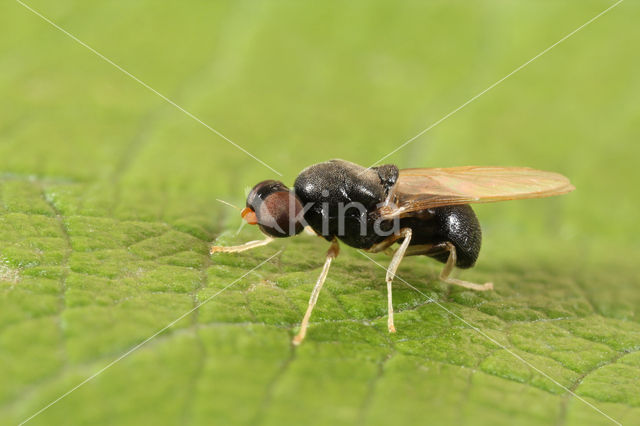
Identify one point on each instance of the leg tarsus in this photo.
(448, 267)
(332, 253)
(241, 247)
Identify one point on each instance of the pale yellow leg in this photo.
(418, 249)
(391, 273)
(241, 247)
(332, 253)
(384, 244)
(448, 267)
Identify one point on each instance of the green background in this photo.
(107, 209)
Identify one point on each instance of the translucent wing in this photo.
(419, 189)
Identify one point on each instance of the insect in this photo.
(426, 211)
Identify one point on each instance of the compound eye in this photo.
(275, 209)
(261, 190)
(279, 214)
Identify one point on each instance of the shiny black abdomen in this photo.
(456, 224)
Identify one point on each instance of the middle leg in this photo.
(391, 273)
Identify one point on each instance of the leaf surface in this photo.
(107, 211)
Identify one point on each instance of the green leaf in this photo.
(108, 208)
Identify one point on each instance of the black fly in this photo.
(425, 210)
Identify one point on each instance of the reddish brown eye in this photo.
(277, 214)
(277, 209)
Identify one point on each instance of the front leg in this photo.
(241, 247)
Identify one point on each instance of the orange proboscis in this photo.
(249, 215)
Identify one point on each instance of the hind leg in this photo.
(448, 267)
